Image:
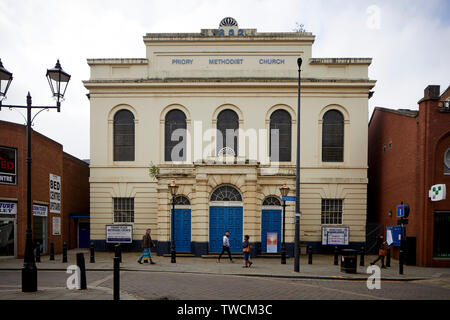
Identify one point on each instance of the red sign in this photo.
(8, 163)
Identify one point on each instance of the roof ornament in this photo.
(228, 22)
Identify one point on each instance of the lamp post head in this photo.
(299, 62)
(173, 188)
(5, 81)
(58, 80)
(284, 190)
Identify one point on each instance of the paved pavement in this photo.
(197, 278)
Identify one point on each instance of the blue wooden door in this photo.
(270, 222)
(183, 230)
(222, 219)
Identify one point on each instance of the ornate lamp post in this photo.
(284, 190)
(173, 191)
(58, 80)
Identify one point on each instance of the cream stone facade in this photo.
(252, 74)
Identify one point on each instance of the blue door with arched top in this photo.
(270, 223)
(222, 219)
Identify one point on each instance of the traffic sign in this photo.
(400, 211)
(286, 198)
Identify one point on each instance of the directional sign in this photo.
(400, 211)
(288, 198)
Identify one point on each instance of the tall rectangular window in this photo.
(331, 211)
(441, 234)
(123, 209)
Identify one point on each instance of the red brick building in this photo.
(409, 152)
(57, 212)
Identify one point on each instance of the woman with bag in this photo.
(382, 251)
(246, 251)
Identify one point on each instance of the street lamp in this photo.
(58, 79)
(173, 191)
(297, 181)
(284, 190)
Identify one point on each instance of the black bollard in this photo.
(80, 264)
(336, 256)
(309, 255)
(118, 252)
(361, 260)
(38, 252)
(116, 285)
(52, 251)
(92, 260)
(64, 259)
(388, 257)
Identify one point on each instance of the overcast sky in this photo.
(407, 39)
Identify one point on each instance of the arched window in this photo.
(333, 137)
(175, 136)
(271, 201)
(280, 136)
(182, 201)
(226, 193)
(227, 131)
(124, 136)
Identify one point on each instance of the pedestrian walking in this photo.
(226, 247)
(246, 252)
(147, 244)
(382, 251)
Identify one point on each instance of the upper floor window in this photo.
(447, 161)
(175, 136)
(124, 136)
(280, 136)
(227, 131)
(331, 211)
(333, 137)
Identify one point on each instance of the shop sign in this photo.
(40, 211)
(8, 165)
(119, 234)
(55, 193)
(332, 236)
(56, 223)
(8, 208)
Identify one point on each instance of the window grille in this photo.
(123, 209)
(271, 201)
(226, 193)
(331, 211)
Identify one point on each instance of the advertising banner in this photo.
(272, 242)
(8, 165)
(119, 234)
(55, 193)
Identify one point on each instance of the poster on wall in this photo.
(272, 242)
(8, 165)
(119, 234)
(55, 193)
(335, 236)
(56, 222)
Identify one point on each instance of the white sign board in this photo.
(56, 222)
(272, 242)
(437, 192)
(40, 211)
(55, 193)
(119, 234)
(8, 208)
(332, 236)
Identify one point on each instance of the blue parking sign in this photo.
(400, 211)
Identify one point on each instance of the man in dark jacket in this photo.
(147, 244)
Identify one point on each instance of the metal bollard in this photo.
(361, 260)
(388, 257)
(116, 290)
(80, 264)
(52, 251)
(336, 256)
(118, 252)
(309, 255)
(64, 258)
(38, 252)
(92, 260)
